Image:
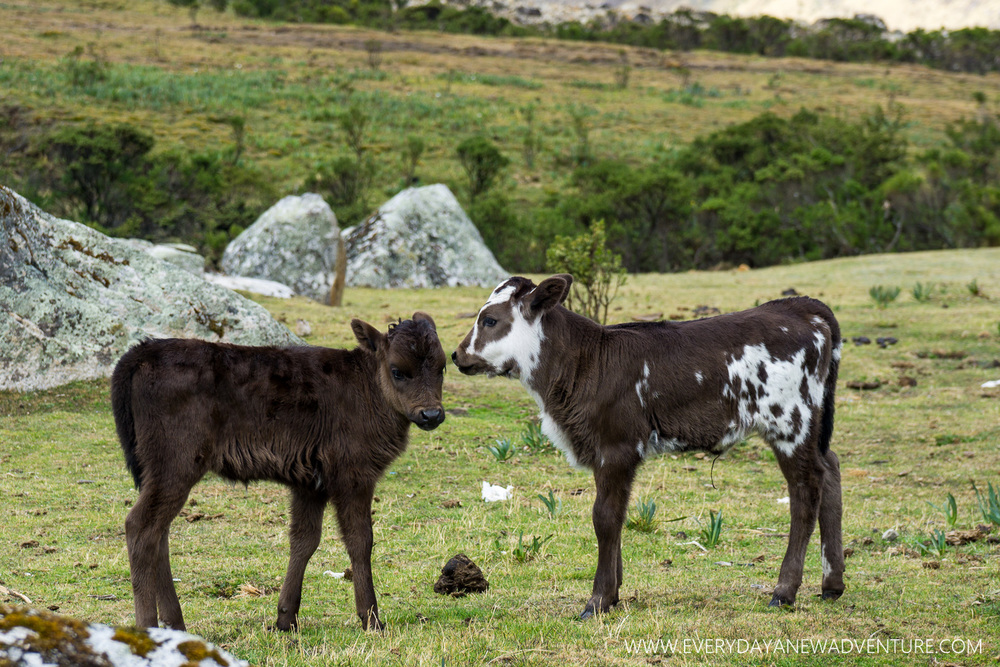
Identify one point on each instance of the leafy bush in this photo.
(597, 272)
(482, 161)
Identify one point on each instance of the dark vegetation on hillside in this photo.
(770, 190)
(767, 191)
(861, 39)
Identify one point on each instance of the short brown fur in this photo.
(325, 423)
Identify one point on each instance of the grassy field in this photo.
(175, 80)
(66, 494)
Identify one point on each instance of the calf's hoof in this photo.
(373, 624)
(594, 605)
(781, 601)
(832, 594)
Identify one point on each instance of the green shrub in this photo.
(483, 163)
(597, 272)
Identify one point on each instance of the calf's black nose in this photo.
(454, 356)
(430, 418)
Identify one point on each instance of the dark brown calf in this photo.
(612, 396)
(325, 423)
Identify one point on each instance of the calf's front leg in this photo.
(614, 485)
(354, 512)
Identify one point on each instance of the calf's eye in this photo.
(397, 374)
(489, 322)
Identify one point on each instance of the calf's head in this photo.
(410, 366)
(507, 337)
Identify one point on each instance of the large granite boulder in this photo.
(73, 300)
(297, 243)
(29, 637)
(420, 238)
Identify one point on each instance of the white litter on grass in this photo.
(492, 492)
(784, 501)
(990, 384)
(335, 575)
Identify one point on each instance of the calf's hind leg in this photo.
(804, 475)
(831, 537)
(304, 535)
(146, 529)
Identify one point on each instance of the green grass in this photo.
(65, 487)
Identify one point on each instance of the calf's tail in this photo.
(121, 405)
(830, 387)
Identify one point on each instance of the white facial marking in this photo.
(699, 376)
(499, 295)
(520, 348)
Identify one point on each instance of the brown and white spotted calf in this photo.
(612, 396)
(325, 423)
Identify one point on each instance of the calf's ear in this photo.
(550, 292)
(424, 317)
(368, 336)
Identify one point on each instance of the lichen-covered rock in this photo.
(31, 638)
(255, 285)
(296, 242)
(73, 300)
(420, 238)
(180, 254)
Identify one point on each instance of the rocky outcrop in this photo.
(420, 238)
(73, 300)
(29, 637)
(297, 243)
(181, 254)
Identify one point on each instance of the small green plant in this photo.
(933, 547)
(580, 116)
(531, 143)
(374, 49)
(524, 552)
(974, 288)
(883, 295)
(922, 292)
(949, 508)
(597, 271)
(502, 451)
(534, 440)
(624, 70)
(552, 504)
(989, 503)
(645, 522)
(711, 533)
(412, 152)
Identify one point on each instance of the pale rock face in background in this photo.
(73, 300)
(903, 15)
(420, 238)
(296, 242)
